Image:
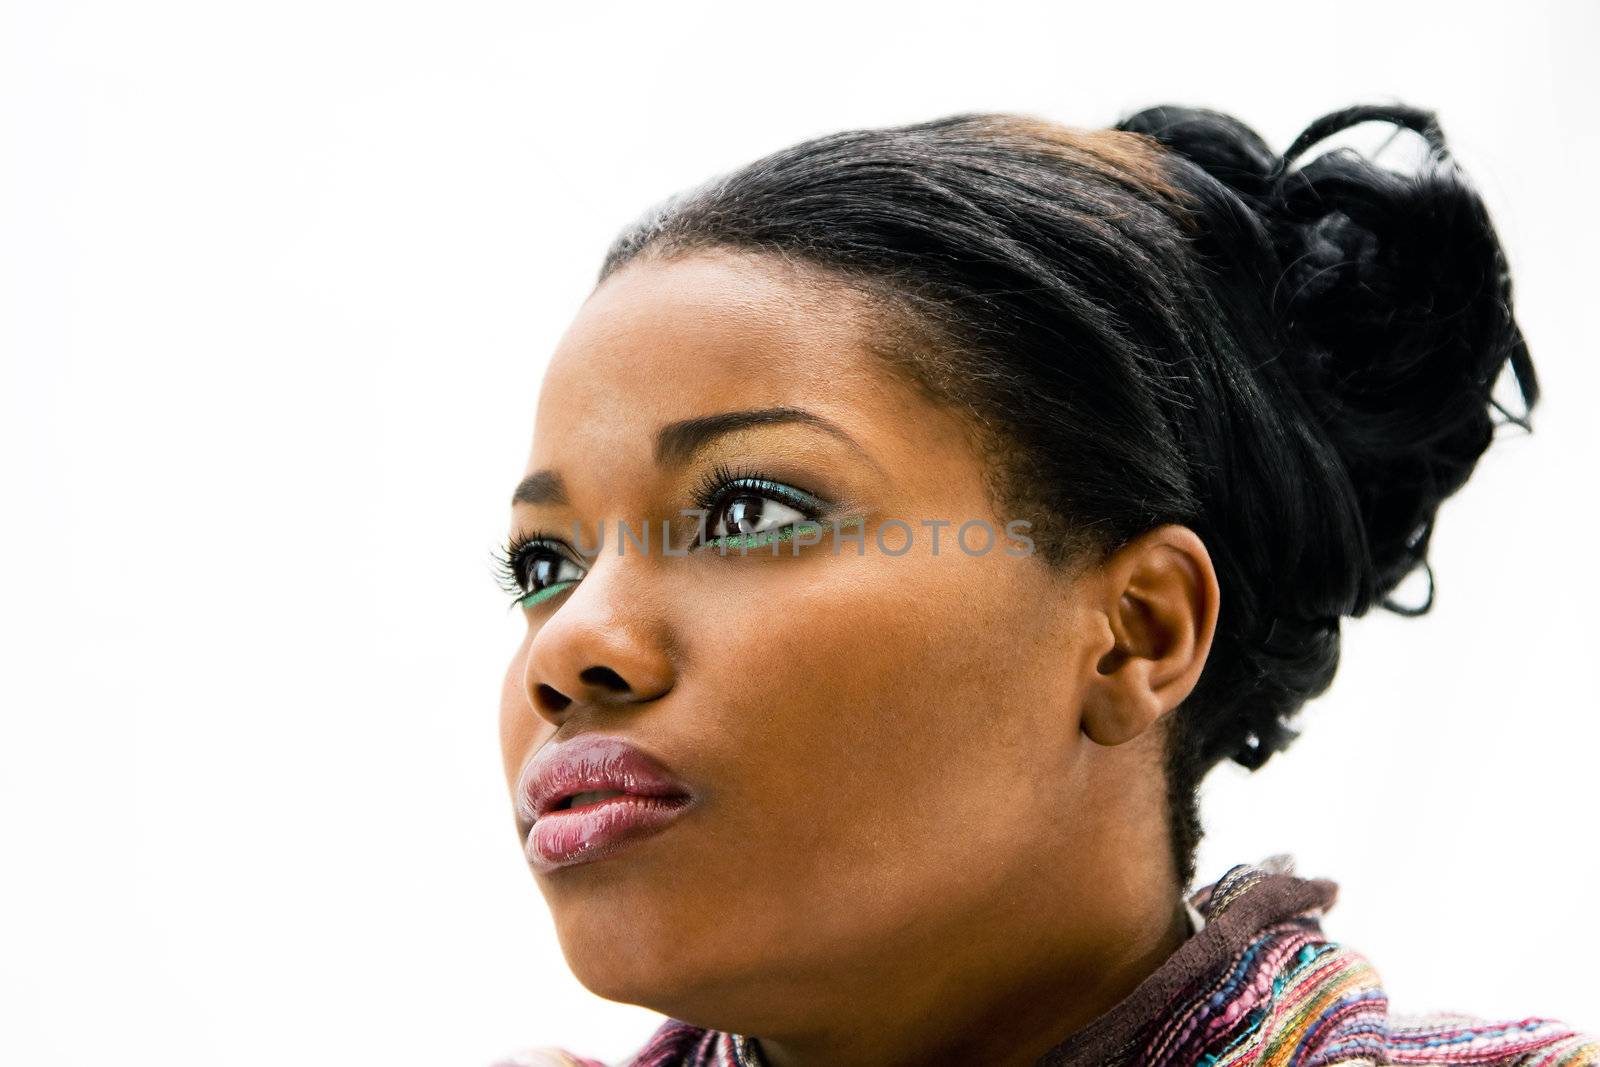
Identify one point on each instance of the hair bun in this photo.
(1399, 287)
(1395, 296)
(1223, 146)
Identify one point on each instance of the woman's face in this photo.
(883, 746)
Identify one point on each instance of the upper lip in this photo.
(590, 762)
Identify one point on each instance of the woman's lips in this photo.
(570, 836)
(640, 796)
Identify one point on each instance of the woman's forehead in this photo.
(662, 341)
(707, 319)
(662, 344)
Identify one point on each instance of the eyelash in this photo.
(514, 561)
(716, 483)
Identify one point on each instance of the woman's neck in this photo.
(1004, 1006)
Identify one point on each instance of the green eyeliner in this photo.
(736, 542)
(758, 539)
(788, 533)
(546, 593)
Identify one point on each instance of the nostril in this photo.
(550, 698)
(598, 685)
(605, 678)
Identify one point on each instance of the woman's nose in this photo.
(603, 647)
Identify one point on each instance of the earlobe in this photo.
(1120, 704)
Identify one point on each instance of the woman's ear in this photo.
(1157, 611)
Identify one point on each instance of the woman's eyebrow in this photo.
(677, 442)
(540, 487)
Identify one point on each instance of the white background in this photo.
(279, 281)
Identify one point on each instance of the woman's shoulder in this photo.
(1453, 1037)
(1413, 1039)
(1298, 993)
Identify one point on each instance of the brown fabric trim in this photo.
(1107, 1040)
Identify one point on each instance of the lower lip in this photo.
(570, 836)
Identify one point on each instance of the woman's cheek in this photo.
(516, 716)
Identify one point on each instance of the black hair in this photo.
(1162, 322)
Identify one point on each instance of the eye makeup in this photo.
(725, 496)
(530, 565)
(736, 502)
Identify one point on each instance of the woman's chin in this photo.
(664, 981)
(622, 956)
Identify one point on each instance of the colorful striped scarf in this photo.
(1258, 984)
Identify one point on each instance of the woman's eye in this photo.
(542, 573)
(752, 512)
